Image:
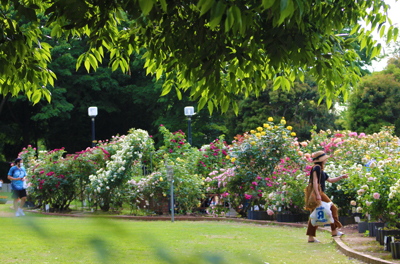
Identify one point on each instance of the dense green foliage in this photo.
(299, 106)
(214, 49)
(375, 103)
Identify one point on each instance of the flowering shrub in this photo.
(255, 156)
(28, 155)
(267, 167)
(188, 188)
(50, 181)
(374, 189)
(116, 173)
(213, 156)
(175, 144)
(288, 194)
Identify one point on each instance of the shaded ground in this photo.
(365, 245)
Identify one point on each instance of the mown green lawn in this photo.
(37, 239)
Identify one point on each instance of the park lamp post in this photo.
(92, 111)
(170, 177)
(189, 112)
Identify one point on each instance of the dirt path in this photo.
(366, 245)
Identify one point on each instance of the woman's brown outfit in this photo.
(323, 176)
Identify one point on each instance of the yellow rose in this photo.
(199, 204)
(252, 131)
(259, 129)
(284, 137)
(233, 159)
(161, 179)
(293, 134)
(253, 143)
(289, 128)
(266, 125)
(283, 117)
(203, 178)
(258, 135)
(270, 128)
(270, 119)
(227, 157)
(263, 133)
(276, 127)
(283, 122)
(164, 194)
(202, 183)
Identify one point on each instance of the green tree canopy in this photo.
(213, 48)
(375, 103)
(299, 106)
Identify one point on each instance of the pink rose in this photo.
(376, 195)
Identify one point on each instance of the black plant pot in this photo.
(346, 220)
(378, 233)
(358, 214)
(387, 240)
(292, 218)
(362, 227)
(250, 215)
(260, 215)
(395, 249)
(371, 227)
(383, 233)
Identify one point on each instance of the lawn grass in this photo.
(38, 239)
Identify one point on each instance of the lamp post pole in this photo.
(170, 177)
(189, 112)
(190, 129)
(93, 133)
(92, 112)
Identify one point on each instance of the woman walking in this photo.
(318, 176)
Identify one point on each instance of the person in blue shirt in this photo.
(17, 176)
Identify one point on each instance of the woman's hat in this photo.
(319, 156)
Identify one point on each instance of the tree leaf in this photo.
(206, 6)
(382, 31)
(164, 5)
(216, 13)
(202, 102)
(146, 6)
(277, 83)
(267, 3)
(396, 33)
(87, 64)
(389, 35)
(284, 4)
(178, 93)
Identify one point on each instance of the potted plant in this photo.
(395, 248)
(362, 226)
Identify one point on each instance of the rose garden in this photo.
(260, 175)
(279, 87)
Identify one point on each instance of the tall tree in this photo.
(213, 48)
(375, 103)
(299, 106)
